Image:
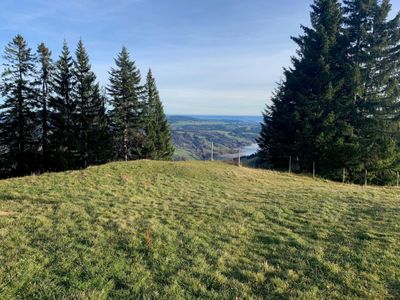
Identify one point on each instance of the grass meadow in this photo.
(196, 230)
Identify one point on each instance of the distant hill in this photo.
(196, 230)
(180, 118)
(246, 119)
(193, 135)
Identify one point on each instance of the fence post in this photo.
(313, 169)
(398, 179)
(366, 177)
(239, 158)
(344, 175)
(212, 151)
(290, 164)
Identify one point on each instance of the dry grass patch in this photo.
(6, 213)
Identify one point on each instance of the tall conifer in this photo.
(45, 74)
(100, 138)
(305, 120)
(373, 51)
(63, 117)
(17, 113)
(158, 142)
(89, 110)
(126, 115)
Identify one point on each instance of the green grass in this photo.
(196, 230)
(184, 154)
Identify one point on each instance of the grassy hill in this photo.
(186, 230)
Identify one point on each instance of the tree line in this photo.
(338, 105)
(55, 116)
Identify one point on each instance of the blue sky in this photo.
(208, 56)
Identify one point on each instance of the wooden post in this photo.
(212, 151)
(398, 179)
(344, 175)
(366, 178)
(239, 157)
(313, 169)
(290, 164)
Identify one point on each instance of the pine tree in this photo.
(126, 114)
(17, 115)
(374, 57)
(63, 117)
(45, 77)
(158, 141)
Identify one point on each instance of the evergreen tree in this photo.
(339, 103)
(158, 142)
(45, 77)
(374, 57)
(63, 117)
(307, 119)
(126, 115)
(277, 140)
(90, 111)
(100, 139)
(325, 134)
(17, 116)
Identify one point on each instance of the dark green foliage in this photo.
(338, 104)
(17, 118)
(316, 85)
(46, 73)
(91, 122)
(55, 116)
(100, 138)
(126, 116)
(63, 117)
(158, 142)
(305, 121)
(278, 132)
(85, 90)
(374, 57)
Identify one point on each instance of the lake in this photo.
(245, 151)
(249, 150)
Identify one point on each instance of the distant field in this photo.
(193, 135)
(196, 230)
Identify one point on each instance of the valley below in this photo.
(194, 135)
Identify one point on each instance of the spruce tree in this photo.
(126, 115)
(17, 115)
(45, 77)
(374, 58)
(90, 110)
(63, 116)
(158, 142)
(277, 140)
(307, 119)
(324, 132)
(100, 138)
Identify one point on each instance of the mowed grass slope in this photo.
(196, 230)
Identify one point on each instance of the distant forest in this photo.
(337, 108)
(55, 116)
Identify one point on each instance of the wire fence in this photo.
(363, 176)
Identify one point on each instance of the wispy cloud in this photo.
(209, 56)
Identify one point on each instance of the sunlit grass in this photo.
(164, 230)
